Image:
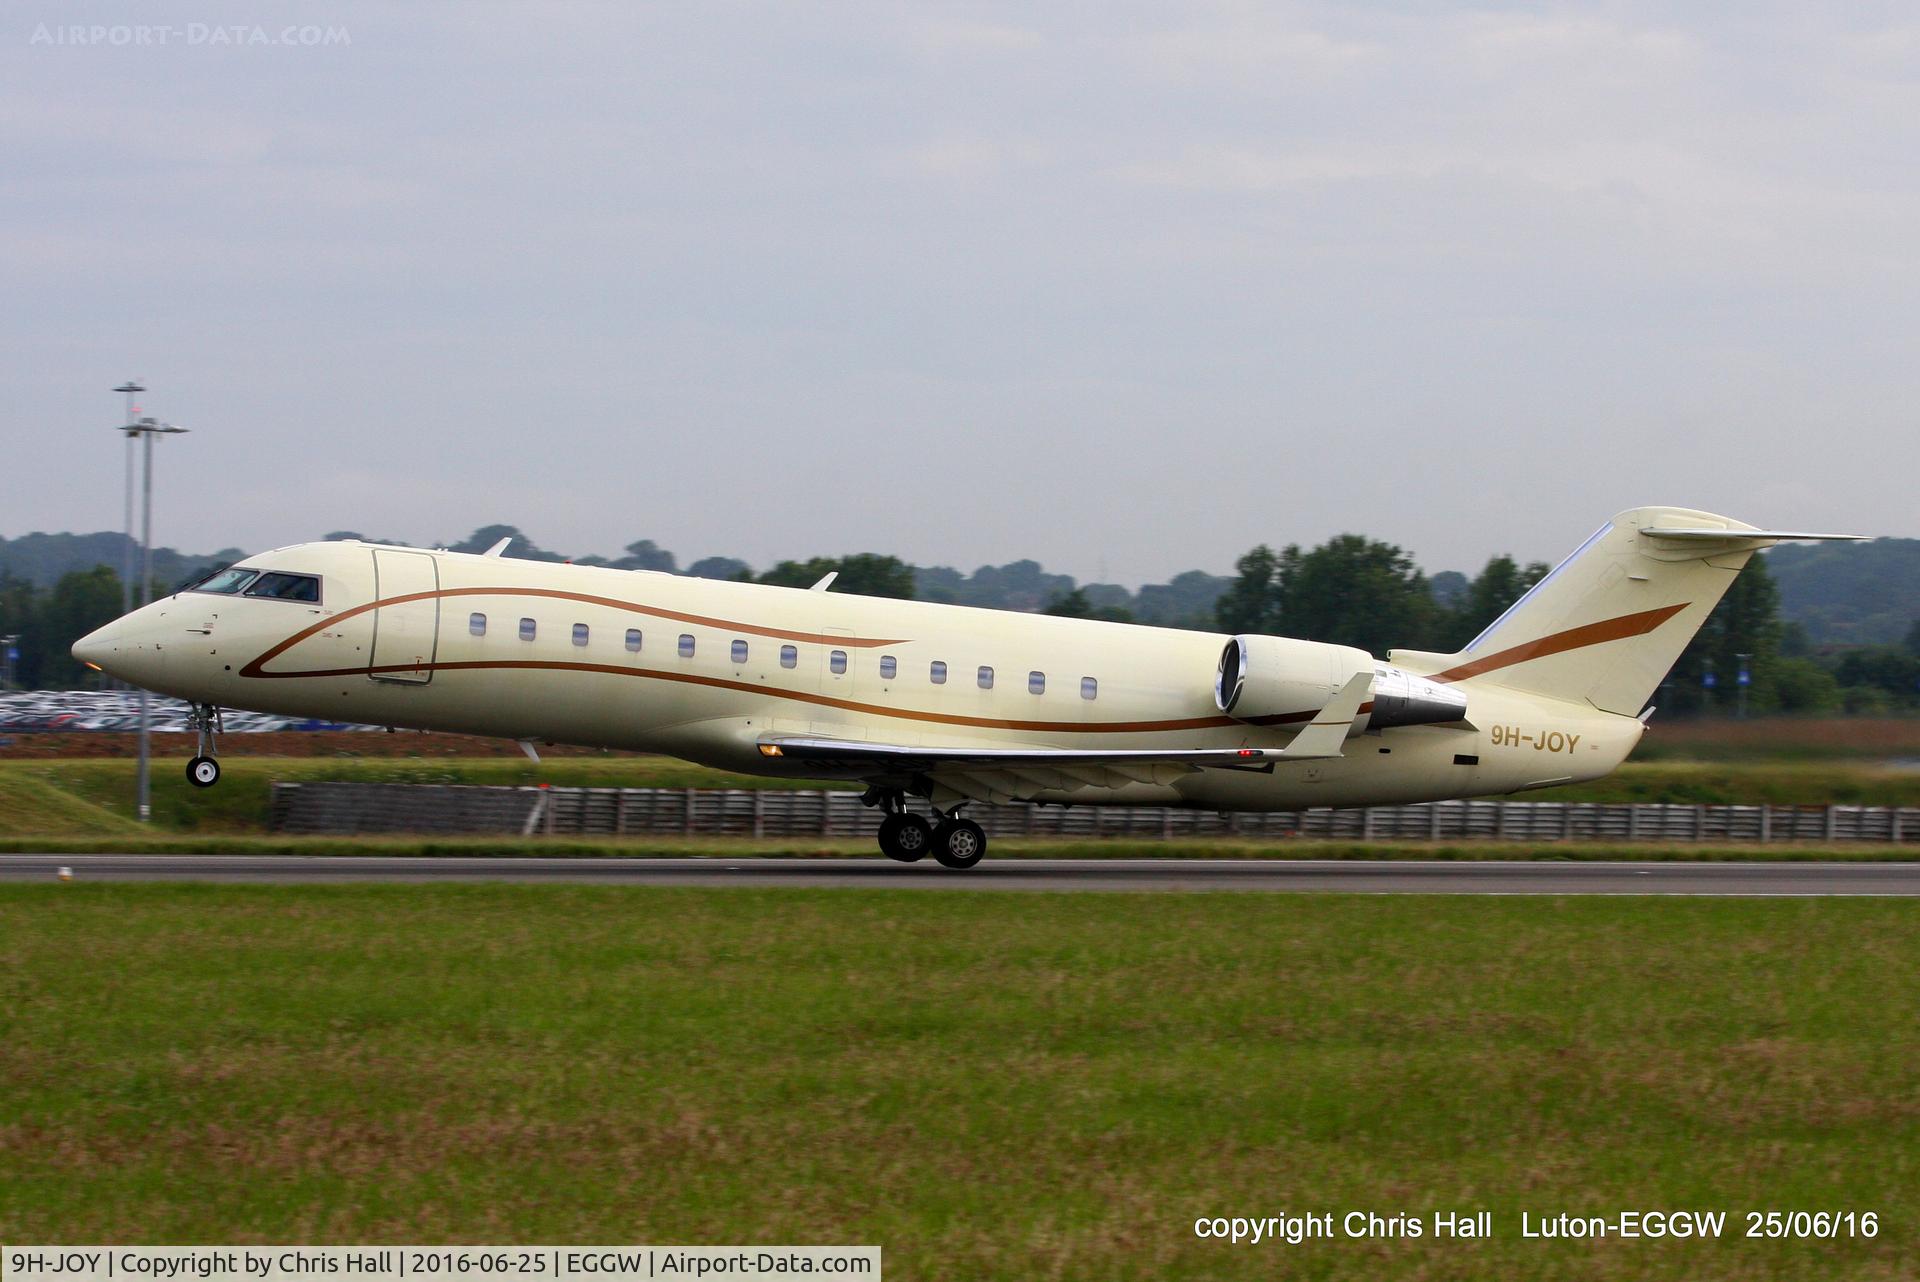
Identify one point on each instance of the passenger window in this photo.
(633, 640)
(889, 667)
(837, 661)
(526, 629)
(1089, 688)
(286, 587)
(985, 677)
(1036, 683)
(686, 645)
(226, 582)
(477, 624)
(579, 634)
(937, 672)
(739, 651)
(788, 656)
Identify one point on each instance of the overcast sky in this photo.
(1123, 289)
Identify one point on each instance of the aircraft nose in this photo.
(96, 649)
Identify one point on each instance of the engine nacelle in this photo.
(1273, 680)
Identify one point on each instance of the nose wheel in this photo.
(203, 771)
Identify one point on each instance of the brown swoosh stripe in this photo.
(1615, 629)
(254, 667)
(1628, 625)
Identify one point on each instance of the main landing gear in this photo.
(204, 770)
(959, 843)
(905, 837)
(953, 842)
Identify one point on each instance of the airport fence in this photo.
(66, 711)
(350, 808)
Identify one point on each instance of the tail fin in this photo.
(1606, 626)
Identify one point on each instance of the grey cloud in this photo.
(972, 284)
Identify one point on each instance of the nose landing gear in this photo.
(203, 771)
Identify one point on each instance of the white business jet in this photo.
(943, 703)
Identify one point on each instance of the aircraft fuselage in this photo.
(708, 670)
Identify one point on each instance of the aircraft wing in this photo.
(1017, 774)
(1000, 775)
(857, 752)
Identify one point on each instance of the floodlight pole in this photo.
(149, 428)
(146, 524)
(129, 389)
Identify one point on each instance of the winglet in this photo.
(1325, 735)
(825, 583)
(499, 547)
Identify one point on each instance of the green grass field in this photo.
(991, 1086)
(80, 797)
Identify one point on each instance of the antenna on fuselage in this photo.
(499, 547)
(825, 583)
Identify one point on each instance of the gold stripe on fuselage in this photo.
(1574, 638)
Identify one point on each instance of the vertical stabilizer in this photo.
(1606, 626)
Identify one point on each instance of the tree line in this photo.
(1350, 590)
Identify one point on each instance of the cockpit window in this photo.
(287, 587)
(226, 582)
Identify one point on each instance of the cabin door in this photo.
(406, 625)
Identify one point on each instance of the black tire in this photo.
(959, 843)
(907, 838)
(203, 772)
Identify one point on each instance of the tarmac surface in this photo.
(1545, 877)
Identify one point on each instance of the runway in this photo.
(1400, 877)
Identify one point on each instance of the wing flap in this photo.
(849, 752)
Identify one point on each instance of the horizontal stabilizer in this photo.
(1744, 536)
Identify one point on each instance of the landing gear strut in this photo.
(953, 842)
(204, 770)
